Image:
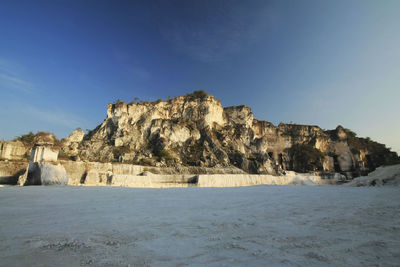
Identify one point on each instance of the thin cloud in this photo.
(10, 79)
(15, 83)
(134, 72)
(55, 116)
(211, 31)
(8, 67)
(121, 55)
(139, 73)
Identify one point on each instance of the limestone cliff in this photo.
(13, 150)
(196, 130)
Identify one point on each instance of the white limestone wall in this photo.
(212, 180)
(12, 150)
(140, 181)
(43, 153)
(126, 175)
(291, 178)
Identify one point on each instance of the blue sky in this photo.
(311, 62)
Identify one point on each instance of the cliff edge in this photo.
(196, 130)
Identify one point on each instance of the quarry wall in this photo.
(127, 175)
(13, 150)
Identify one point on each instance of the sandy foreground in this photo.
(246, 226)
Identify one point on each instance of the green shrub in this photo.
(27, 139)
(30, 139)
(146, 162)
(379, 153)
(353, 141)
(391, 159)
(120, 151)
(63, 156)
(198, 94)
(164, 154)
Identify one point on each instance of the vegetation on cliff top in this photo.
(380, 154)
(198, 94)
(26, 139)
(30, 139)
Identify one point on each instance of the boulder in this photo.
(44, 173)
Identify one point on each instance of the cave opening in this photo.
(83, 178)
(370, 164)
(336, 163)
(280, 159)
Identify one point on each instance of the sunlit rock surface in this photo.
(196, 130)
(13, 150)
(192, 135)
(43, 168)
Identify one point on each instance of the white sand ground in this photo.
(243, 226)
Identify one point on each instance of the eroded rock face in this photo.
(70, 144)
(195, 130)
(75, 137)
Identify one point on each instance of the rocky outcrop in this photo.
(70, 144)
(195, 130)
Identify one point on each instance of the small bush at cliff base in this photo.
(146, 162)
(120, 151)
(306, 158)
(164, 154)
(194, 155)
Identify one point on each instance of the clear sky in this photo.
(310, 62)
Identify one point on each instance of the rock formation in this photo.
(196, 130)
(43, 168)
